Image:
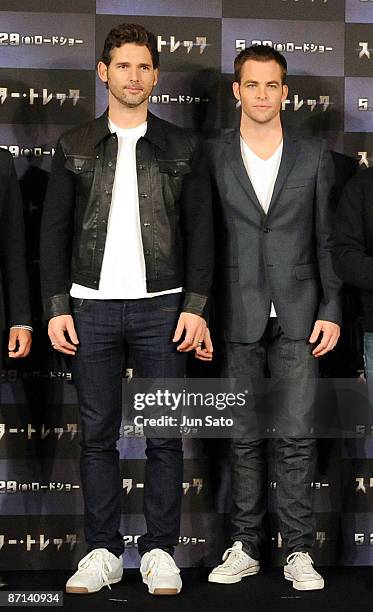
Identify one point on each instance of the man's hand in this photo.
(330, 334)
(194, 327)
(23, 337)
(56, 331)
(204, 353)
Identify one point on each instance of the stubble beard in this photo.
(128, 100)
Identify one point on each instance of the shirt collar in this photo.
(154, 132)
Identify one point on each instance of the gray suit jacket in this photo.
(283, 256)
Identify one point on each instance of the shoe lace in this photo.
(161, 563)
(299, 557)
(231, 556)
(97, 561)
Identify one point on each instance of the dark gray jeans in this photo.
(280, 358)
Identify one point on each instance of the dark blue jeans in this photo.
(276, 356)
(108, 330)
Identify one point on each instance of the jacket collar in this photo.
(234, 156)
(289, 156)
(154, 132)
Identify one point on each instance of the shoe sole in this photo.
(85, 591)
(307, 585)
(162, 590)
(233, 579)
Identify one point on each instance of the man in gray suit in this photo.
(277, 300)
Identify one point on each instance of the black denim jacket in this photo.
(174, 205)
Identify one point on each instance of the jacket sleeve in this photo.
(330, 304)
(350, 258)
(56, 238)
(13, 252)
(198, 233)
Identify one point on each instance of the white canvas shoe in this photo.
(299, 569)
(160, 573)
(97, 569)
(236, 565)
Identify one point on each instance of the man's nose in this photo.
(133, 74)
(261, 92)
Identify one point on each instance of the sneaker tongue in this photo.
(237, 546)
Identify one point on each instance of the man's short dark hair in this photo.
(260, 53)
(130, 33)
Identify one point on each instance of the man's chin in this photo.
(132, 102)
(263, 118)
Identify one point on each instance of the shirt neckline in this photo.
(138, 130)
(274, 155)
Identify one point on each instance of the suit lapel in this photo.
(289, 155)
(234, 158)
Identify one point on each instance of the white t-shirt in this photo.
(262, 174)
(123, 265)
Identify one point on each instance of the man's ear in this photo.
(236, 90)
(102, 71)
(285, 91)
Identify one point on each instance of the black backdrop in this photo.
(48, 84)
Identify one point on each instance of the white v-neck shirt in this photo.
(123, 273)
(262, 174)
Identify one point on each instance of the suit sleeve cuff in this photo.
(330, 312)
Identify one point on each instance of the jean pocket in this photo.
(78, 304)
(170, 302)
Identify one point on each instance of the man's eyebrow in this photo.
(125, 63)
(257, 82)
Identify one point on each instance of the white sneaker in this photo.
(160, 572)
(237, 564)
(97, 569)
(300, 571)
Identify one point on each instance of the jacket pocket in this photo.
(229, 274)
(174, 167)
(80, 164)
(298, 184)
(172, 173)
(306, 271)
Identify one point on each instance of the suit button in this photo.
(110, 164)
(148, 252)
(146, 224)
(143, 195)
(266, 230)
